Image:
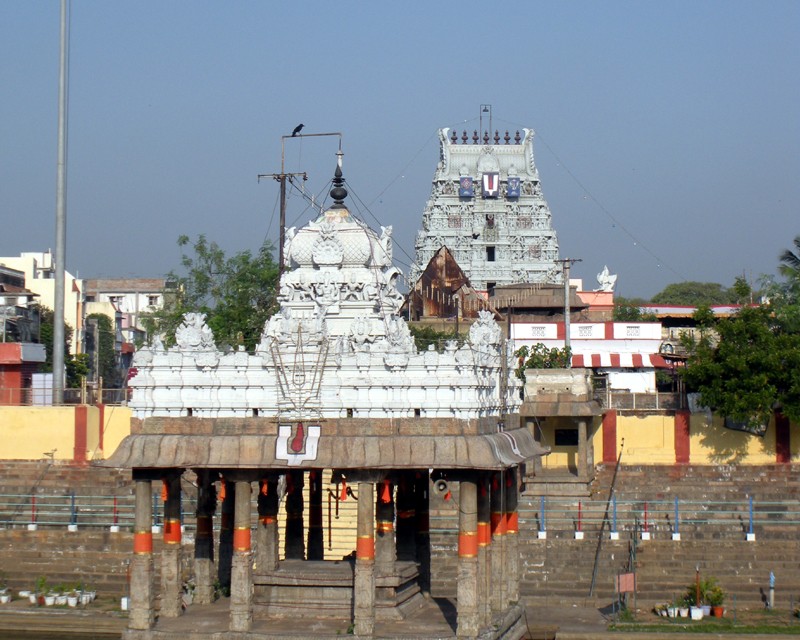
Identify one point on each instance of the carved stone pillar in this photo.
(267, 546)
(364, 583)
(171, 587)
(204, 538)
(316, 540)
(497, 559)
(294, 546)
(385, 545)
(241, 564)
(512, 537)
(583, 449)
(228, 497)
(142, 614)
(467, 598)
(484, 548)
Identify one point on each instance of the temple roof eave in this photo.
(168, 451)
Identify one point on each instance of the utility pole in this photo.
(281, 178)
(566, 263)
(61, 217)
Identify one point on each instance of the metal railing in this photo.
(44, 397)
(663, 518)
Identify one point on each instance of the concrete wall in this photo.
(78, 433)
(661, 439)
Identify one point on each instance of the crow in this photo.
(297, 129)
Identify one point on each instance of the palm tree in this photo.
(790, 265)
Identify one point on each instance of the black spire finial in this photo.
(338, 193)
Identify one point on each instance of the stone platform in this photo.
(435, 619)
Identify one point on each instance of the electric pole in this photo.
(566, 263)
(281, 178)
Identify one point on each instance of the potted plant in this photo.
(716, 597)
(38, 595)
(5, 594)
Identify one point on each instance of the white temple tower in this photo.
(487, 208)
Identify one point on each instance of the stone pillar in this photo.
(406, 545)
(204, 538)
(385, 545)
(583, 450)
(484, 549)
(498, 523)
(294, 546)
(467, 598)
(241, 564)
(512, 537)
(535, 468)
(142, 613)
(316, 540)
(423, 538)
(228, 497)
(364, 579)
(171, 586)
(267, 545)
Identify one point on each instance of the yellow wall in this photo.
(649, 439)
(560, 458)
(117, 425)
(26, 433)
(714, 444)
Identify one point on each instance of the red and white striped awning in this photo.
(620, 361)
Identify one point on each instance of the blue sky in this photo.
(668, 133)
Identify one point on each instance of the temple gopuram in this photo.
(335, 402)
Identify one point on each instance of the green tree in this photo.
(426, 335)
(236, 293)
(630, 310)
(108, 368)
(746, 366)
(790, 269)
(540, 357)
(695, 294)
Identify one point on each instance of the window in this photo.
(490, 287)
(566, 437)
(152, 300)
(585, 331)
(632, 332)
(489, 254)
(538, 332)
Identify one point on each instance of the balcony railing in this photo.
(44, 396)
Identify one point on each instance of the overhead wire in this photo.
(636, 240)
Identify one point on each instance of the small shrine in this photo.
(336, 401)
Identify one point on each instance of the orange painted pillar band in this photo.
(513, 522)
(384, 526)
(484, 534)
(205, 527)
(267, 520)
(467, 544)
(172, 531)
(498, 523)
(143, 542)
(365, 548)
(241, 539)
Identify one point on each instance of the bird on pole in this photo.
(297, 129)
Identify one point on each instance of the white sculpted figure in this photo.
(606, 280)
(193, 334)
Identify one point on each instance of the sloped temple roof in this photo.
(490, 451)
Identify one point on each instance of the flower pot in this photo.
(696, 613)
(86, 597)
(672, 612)
(61, 599)
(683, 612)
(706, 610)
(125, 603)
(5, 598)
(50, 599)
(72, 600)
(718, 611)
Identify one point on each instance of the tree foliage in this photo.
(106, 355)
(426, 335)
(630, 310)
(76, 366)
(236, 293)
(540, 357)
(695, 294)
(746, 366)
